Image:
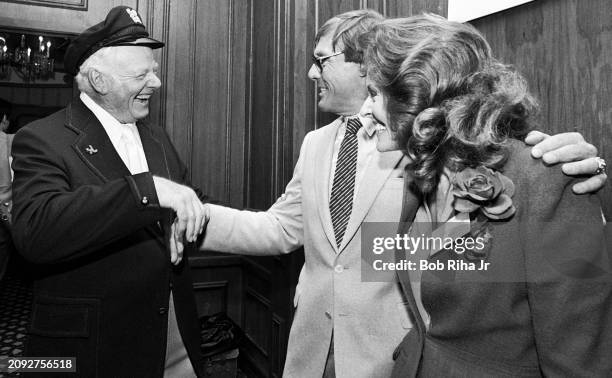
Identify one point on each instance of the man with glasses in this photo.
(342, 326)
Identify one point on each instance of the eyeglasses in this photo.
(319, 60)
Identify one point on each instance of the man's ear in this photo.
(99, 81)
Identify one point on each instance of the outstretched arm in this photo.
(275, 231)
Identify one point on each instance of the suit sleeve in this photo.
(5, 179)
(276, 231)
(569, 286)
(55, 222)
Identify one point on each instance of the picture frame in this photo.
(67, 4)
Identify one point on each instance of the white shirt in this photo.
(366, 147)
(124, 137)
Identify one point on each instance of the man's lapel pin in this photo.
(90, 150)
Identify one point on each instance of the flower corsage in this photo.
(484, 194)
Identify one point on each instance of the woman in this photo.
(539, 301)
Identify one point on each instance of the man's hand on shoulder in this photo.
(579, 157)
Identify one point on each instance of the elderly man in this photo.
(93, 208)
(342, 326)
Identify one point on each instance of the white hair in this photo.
(100, 61)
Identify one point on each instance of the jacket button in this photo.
(7, 204)
(4, 217)
(328, 315)
(396, 353)
(339, 268)
(144, 200)
(162, 310)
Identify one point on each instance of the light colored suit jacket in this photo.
(5, 169)
(368, 319)
(6, 245)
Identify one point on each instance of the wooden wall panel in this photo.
(304, 94)
(218, 284)
(405, 8)
(58, 19)
(260, 193)
(563, 48)
(204, 75)
(239, 103)
(328, 9)
(179, 79)
(212, 65)
(211, 296)
(39, 95)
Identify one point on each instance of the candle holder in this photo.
(30, 58)
(5, 59)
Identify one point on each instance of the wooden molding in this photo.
(66, 4)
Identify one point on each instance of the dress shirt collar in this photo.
(112, 126)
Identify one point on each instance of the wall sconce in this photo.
(5, 59)
(27, 63)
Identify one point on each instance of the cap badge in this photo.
(134, 15)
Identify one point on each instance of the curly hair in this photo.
(451, 103)
(347, 28)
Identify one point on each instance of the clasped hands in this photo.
(191, 214)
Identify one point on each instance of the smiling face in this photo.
(341, 84)
(133, 80)
(375, 107)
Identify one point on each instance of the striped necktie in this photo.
(341, 201)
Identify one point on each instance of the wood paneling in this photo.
(260, 193)
(68, 4)
(218, 284)
(178, 60)
(204, 73)
(405, 8)
(38, 17)
(211, 296)
(563, 48)
(41, 96)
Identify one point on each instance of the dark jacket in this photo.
(95, 236)
(531, 314)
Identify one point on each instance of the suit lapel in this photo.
(376, 174)
(154, 152)
(92, 144)
(95, 148)
(410, 205)
(324, 152)
(156, 160)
